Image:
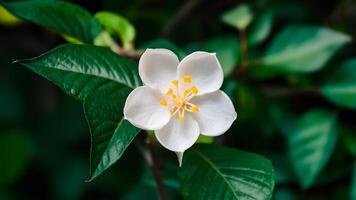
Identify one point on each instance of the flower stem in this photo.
(287, 91)
(244, 53)
(244, 61)
(148, 155)
(133, 54)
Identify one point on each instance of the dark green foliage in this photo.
(289, 69)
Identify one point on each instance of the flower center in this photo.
(179, 96)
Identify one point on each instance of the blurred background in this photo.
(44, 138)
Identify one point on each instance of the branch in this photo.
(148, 155)
(286, 91)
(181, 15)
(135, 55)
(244, 64)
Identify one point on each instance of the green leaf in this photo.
(118, 25)
(71, 39)
(283, 118)
(302, 49)
(349, 141)
(341, 87)
(311, 144)
(11, 104)
(104, 39)
(284, 194)
(353, 184)
(213, 172)
(162, 43)
(7, 18)
(226, 48)
(205, 139)
(239, 17)
(80, 70)
(260, 29)
(59, 16)
(110, 133)
(101, 79)
(284, 172)
(15, 152)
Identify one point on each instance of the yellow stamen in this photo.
(194, 108)
(194, 90)
(163, 102)
(186, 92)
(175, 82)
(187, 79)
(169, 91)
(179, 103)
(181, 117)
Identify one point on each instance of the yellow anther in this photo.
(163, 102)
(178, 102)
(194, 108)
(186, 92)
(169, 91)
(175, 82)
(194, 90)
(187, 79)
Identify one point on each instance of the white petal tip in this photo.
(180, 158)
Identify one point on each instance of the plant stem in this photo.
(149, 157)
(183, 13)
(244, 49)
(244, 63)
(286, 91)
(135, 55)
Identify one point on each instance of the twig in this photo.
(286, 91)
(135, 55)
(181, 15)
(244, 50)
(148, 155)
(243, 65)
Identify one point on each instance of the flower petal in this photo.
(143, 109)
(216, 113)
(158, 67)
(180, 157)
(178, 135)
(205, 70)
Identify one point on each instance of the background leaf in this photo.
(11, 104)
(353, 184)
(213, 172)
(311, 144)
(119, 26)
(15, 152)
(7, 18)
(260, 29)
(302, 49)
(226, 48)
(239, 17)
(60, 16)
(341, 87)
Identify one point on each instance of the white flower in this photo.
(180, 100)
